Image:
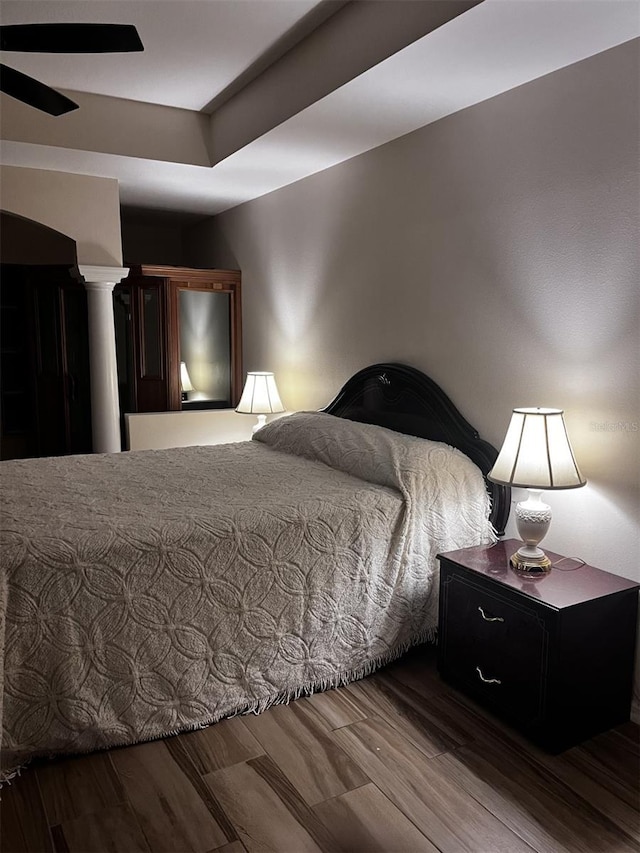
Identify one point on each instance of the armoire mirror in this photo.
(205, 348)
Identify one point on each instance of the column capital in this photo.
(102, 275)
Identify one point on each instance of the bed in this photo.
(154, 592)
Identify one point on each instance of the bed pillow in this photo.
(430, 473)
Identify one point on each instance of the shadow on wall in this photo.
(156, 237)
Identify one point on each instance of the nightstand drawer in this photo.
(494, 647)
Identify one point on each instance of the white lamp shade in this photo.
(260, 395)
(536, 453)
(185, 381)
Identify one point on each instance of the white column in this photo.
(105, 407)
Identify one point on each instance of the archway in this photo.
(29, 243)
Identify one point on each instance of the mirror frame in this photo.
(212, 281)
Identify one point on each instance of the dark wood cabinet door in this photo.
(151, 333)
(75, 366)
(46, 397)
(51, 427)
(17, 393)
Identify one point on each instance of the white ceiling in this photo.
(196, 50)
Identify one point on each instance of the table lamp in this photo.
(260, 397)
(535, 455)
(185, 382)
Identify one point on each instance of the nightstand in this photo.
(552, 657)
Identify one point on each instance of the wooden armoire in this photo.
(168, 315)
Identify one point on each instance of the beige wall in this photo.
(113, 126)
(87, 209)
(497, 250)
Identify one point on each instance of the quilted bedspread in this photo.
(153, 592)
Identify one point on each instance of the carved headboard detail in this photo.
(406, 400)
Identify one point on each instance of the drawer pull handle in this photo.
(487, 680)
(490, 618)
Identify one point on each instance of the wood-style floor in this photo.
(396, 762)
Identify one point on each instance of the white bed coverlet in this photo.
(153, 592)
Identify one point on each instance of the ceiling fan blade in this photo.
(24, 88)
(70, 38)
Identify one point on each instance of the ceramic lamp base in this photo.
(533, 518)
(262, 419)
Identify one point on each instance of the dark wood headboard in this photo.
(404, 399)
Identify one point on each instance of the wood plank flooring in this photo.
(398, 762)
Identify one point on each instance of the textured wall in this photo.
(498, 251)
